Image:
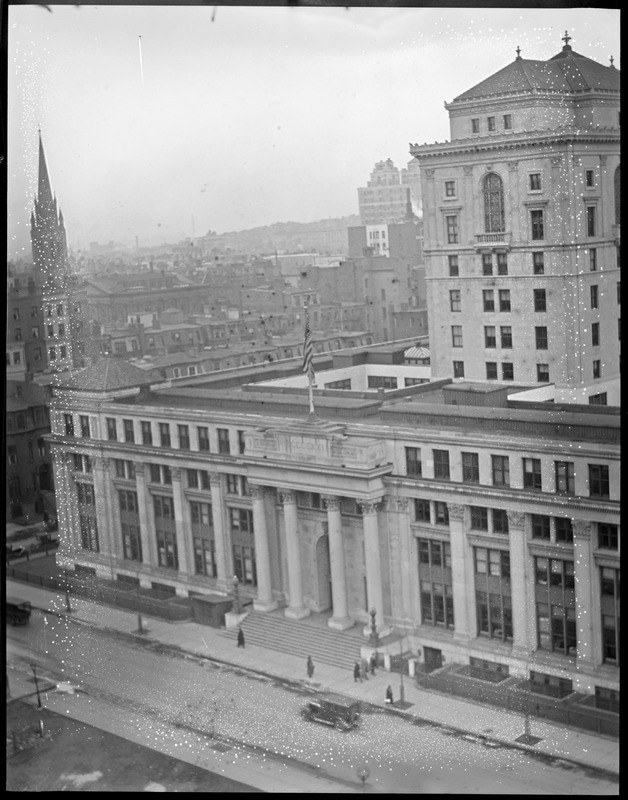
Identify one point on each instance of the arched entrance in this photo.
(323, 572)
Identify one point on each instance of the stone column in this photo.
(103, 501)
(296, 609)
(374, 593)
(66, 506)
(464, 611)
(401, 534)
(146, 515)
(586, 607)
(340, 619)
(264, 600)
(522, 589)
(224, 568)
(183, 524)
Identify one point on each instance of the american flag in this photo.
(308, 351)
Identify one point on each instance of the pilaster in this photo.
(340, 619)
(295, 609)
(464, 611)
(264, 600)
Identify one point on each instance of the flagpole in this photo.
(308, 365)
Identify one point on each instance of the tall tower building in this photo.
(521, 226)
(53, 273)
(384, 200)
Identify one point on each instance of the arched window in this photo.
(617, 197)
(493, 190)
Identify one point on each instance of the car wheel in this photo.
(340, 725)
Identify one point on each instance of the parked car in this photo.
(339, 712)
(18, 611)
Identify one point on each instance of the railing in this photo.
(516, 699)
(492, 238)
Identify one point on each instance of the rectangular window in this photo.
(488, 298)
(69, 424)
(223, 441)
(607, 536)
(453, 266)
(451, 221)
(458, 367)
(487, 264)
(505, 332)
(541, 528)
(491, 370)
(421, 510)
(598, 480)
(490, 339)
(500, 466)
(504, 299)
(592, 259)
(112, 429)
(454, 299)
(535, 181)
(490, 122)
(540, 300)
(508, 371)
(564, 529)
(470, 467)
(500, 520)
(597, 369)
(184, 437)
(203, 439)
(536, 224)
(600, 399)
(565, 477)
(594, 296)
(147, 433)
(441, 464)
(507, 122)
(155, 473)
(166, 474)
(502, 264)
(129, 432)
(542, 373)
(84, 423)
(479, 518)
(450, 188)
(164, 434)
(441, 513)
(538, 263)
(192, 478)
(591, 220)
(595, 334)
(540, 335)
(456, 335)
(532, 474)
(475, 125)
(241, 442)
(589, 178)
(413, 461)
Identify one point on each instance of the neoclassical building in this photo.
(522, 229)
(484, 526)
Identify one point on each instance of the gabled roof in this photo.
(565, 73)
(109, 374)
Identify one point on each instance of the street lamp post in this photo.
(363, 774)
(236, 593)
(373, 639)
(34, 668)
(402, 692)
(68, 607)
(140, 625)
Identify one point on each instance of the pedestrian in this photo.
(240, 637)
(364, 672)
(373, 662)
(310, 667)
(356, 672)
(389, 695)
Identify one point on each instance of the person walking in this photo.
(356, 672)
(373, 662)
(389, 695)
(364, 671)
(240, 637)
(310, 667)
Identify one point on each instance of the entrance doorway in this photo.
(323, 571)
(433, 658)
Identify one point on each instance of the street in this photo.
(258, 715)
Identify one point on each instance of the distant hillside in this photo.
(294, 228)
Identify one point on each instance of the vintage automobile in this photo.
(340, 712)
(18, 611)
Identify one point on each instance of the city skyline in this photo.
(306, 101)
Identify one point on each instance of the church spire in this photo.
(44, 190)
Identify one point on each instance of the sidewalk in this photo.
(486, 722)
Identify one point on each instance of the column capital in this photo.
(581, 529)
(455, 511)
(516, 519)
(141, 468)
(401, 503)
(331, 502)
(215, 478)
(370, 506)
(257, 491)
(287, 496)
(175, 472)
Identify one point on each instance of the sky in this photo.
(162, 122)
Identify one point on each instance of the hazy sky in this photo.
(227, 118)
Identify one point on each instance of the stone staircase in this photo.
(305, 637)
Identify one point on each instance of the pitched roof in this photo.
(565, 73)
(109, 374)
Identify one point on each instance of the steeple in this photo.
(44, 190)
